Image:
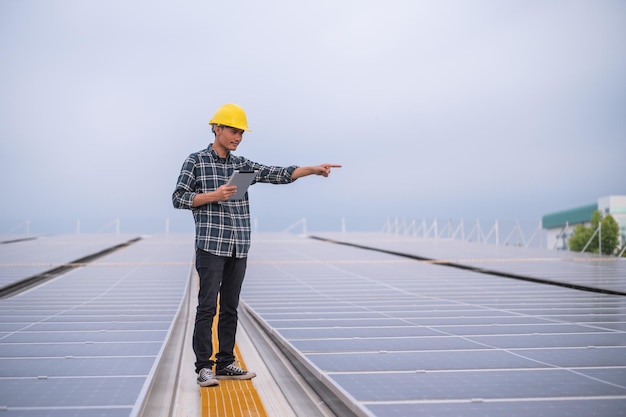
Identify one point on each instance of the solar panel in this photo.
(394, 336)
(23, 259)
(582, 269)
(87, 342)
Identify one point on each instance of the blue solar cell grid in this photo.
(87, 342)
(399, 337)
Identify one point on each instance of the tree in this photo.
(609, 232)
(610, 235)
(579, 239)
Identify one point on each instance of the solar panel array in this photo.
(87, 343)
(580, 269)
(393, 336)
(390, 335)
(23, 259)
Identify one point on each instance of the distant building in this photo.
(560, 225)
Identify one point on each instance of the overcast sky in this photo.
(463, 109)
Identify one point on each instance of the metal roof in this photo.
(573, 216)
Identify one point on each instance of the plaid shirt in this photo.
(222, 228)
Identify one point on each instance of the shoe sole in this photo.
(249, 375)
(208, 383)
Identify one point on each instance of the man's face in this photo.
(228, 138)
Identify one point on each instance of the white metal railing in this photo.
(400, 226)
(301, 222)
(25, 224)
(477, 233)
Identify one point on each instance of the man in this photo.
(223, 236)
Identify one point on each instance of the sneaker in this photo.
(232, 371)
(206, 378)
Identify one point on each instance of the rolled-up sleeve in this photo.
(183, 195)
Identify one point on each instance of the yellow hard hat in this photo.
(230, 115)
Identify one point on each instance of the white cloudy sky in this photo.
(449, 109)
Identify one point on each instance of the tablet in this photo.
(242, 179)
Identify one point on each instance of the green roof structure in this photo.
(573, 216)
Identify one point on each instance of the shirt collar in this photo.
(213, 152)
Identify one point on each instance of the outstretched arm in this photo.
(323, 170)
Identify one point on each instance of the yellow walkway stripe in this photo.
(231, 398)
